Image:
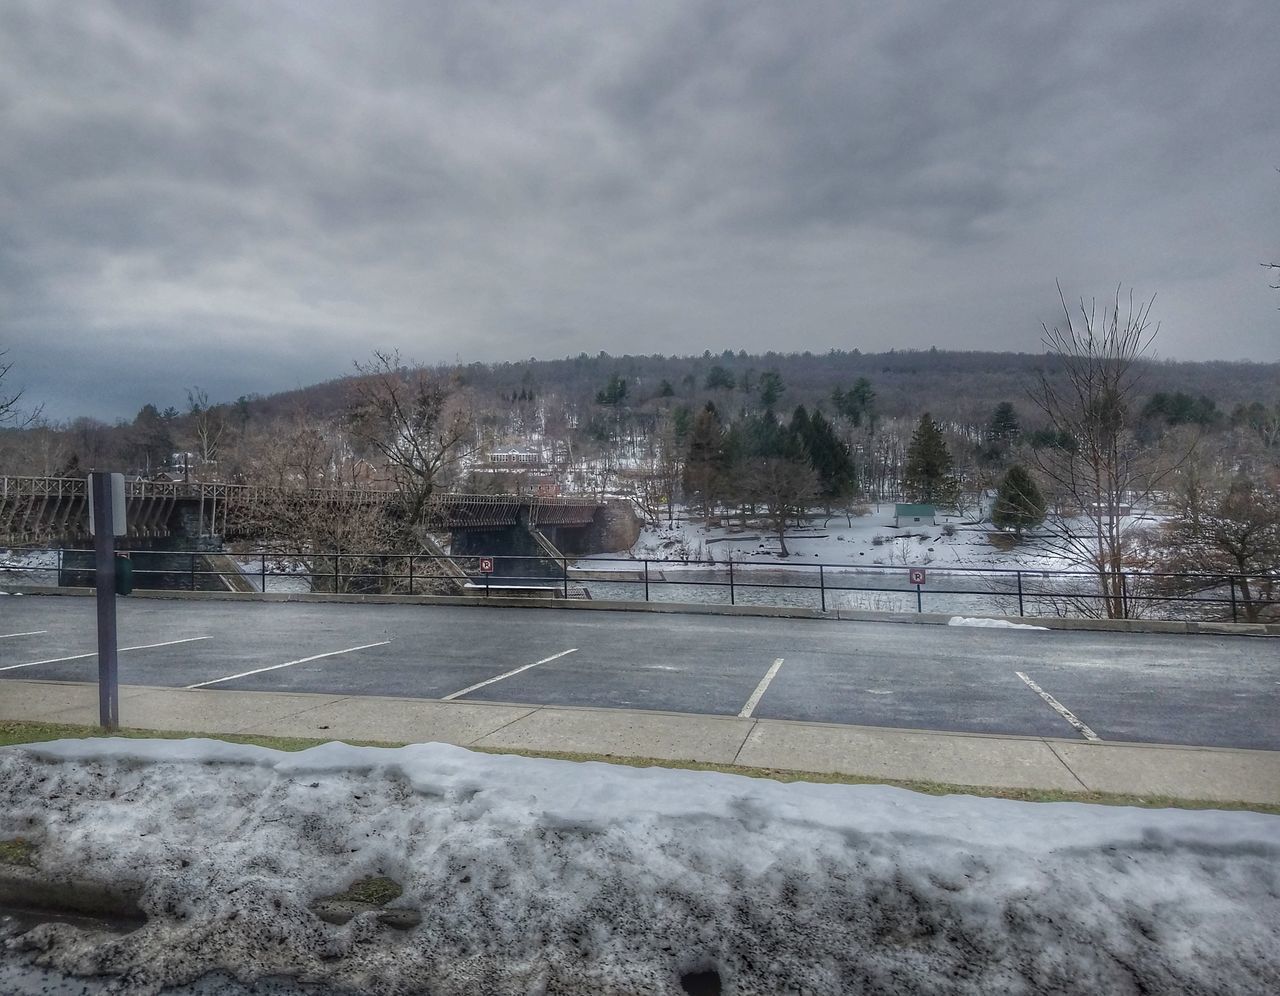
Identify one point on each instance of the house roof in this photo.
(913, 510)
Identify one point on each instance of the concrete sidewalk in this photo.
(1192, 773)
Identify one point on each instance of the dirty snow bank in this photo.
(980, 623)
(540, 876)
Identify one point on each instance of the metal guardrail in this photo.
(1032, 590)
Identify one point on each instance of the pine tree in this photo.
(771, 468)
(719, 379)
(828, 454)
(857, 404)
(704, 469)
(771, 389)
(614, 393)
(1003, 428)
(1019, 503)
(928, 476)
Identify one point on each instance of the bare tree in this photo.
(784, 486)
(408, 416)
(207, 425)
(9, 413)
(345, 539)
(1232, 532)
(1098, 470)
(1274, 267)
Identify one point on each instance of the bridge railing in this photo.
(56, 507)
(959, 590)
(14, 485)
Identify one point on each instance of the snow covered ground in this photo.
(967, 573)
(283, 574)
(541, 876)
(871, 540)
(19, 567)
(989, 623)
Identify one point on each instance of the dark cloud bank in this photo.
(248, 196)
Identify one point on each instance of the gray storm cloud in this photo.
(249, 196)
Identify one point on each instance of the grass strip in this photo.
(17, 852)
(18, 732)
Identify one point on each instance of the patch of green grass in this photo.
(17, 852)
(372, 891)
(19, 732)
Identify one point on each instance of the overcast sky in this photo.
(248, 196)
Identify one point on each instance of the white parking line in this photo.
(1061, 710)
(78, 657)
(758, 694)
(277, 667)
(10, 636)
(514, 671)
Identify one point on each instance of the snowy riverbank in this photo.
(548, 876)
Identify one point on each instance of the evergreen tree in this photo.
(1019, 503)
(827, 453)
(771, 389)
(719, 379)
(771, 468)
(857, 404)
(1003, 428)
(1180, 408)
(928, 477)
(614, 393)
(665, 390)
(681, 422)
(704, 467)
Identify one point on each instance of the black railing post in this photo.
(336, 577)
(193, 572)
(1020, 611)
(731, 595)
(264, 571)
(919, 599)
(646, 580)
(1232, 586)
(822, 587)
(564, 565)
(411, 574)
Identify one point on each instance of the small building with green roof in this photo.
(914, 515)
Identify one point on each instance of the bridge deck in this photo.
(36, 507)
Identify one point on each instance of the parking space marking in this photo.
(1061, 710)
(277, 667)
(514, 671)
(78, 657)
(758, 694)
(35, 632)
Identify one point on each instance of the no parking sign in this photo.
(486, 565)
(917, 575)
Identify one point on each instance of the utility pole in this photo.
(106, 497)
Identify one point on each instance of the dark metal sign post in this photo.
(916, 576)
(104, 528)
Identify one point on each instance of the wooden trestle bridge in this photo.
(39, 509)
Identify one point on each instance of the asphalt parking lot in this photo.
(1202, 690)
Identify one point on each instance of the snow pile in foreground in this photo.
(540, 876)
(981, 623)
